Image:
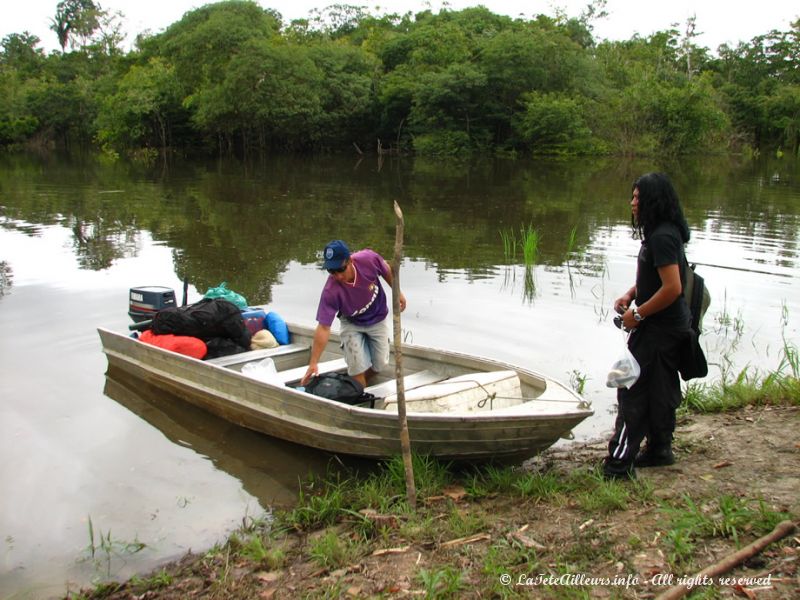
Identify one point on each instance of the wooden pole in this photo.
(405, 439)
(781, 530)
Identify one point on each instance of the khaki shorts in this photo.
(365, 346)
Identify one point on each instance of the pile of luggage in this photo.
(212, 327)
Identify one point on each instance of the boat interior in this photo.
(431, 384)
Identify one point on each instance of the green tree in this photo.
(61, 110)
(552, 123)
(395, 93)
(204, 41)
(75, 20)
(270, 95)
(142, 110)
(683, 118)
(16, 123)
(438, 43)
(782, 109)
(757, 80)
(20, 51)
(450, 101)
(347, 94)
(522, 60)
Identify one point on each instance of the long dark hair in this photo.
(658, 203)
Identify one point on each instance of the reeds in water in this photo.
(528, 242)
(530, 245)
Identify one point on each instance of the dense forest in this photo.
(234, 78)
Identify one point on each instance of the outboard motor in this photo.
(146, 301)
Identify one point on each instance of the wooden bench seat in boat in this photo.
(290, 375)
(242, 357)
(466, 393)
(410, 381)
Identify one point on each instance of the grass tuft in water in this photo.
(103, 548)
(509, 246)
(577, 381)
(530, 245)
(572, 241)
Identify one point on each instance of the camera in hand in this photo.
(619, 324)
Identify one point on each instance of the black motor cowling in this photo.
(145, 301)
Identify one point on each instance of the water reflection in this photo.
(252, 219)
(268, 468)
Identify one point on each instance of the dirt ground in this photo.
(750, 454)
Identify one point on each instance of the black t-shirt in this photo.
(664, 246)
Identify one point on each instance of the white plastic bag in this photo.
(624, 372)
(263, 370)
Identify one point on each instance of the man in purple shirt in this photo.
(354, 293)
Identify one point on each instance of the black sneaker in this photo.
(629, 475)
(616, 470)
(655, 458)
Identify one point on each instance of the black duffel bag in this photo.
(341, 387)
(207, 319)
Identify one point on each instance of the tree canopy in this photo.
(233, 77)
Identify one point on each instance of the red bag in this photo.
(182, 344)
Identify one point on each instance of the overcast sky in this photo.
(720, 21)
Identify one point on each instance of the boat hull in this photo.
(292, 415)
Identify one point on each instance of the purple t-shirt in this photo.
(363, 302)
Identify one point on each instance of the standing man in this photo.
(660, 330)
(354, 293)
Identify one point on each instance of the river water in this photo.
(97, 482)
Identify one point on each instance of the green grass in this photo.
(577, 381)
(509, 246)
(255, 549)
(461, 524)
(750, 387)
(156, 581)
(332, 551)
(528, 242)
(571, 243)
(430, 475)
(725, 517)
(324, 501)
(443, 582)
(315, 510)
(530, 245)
(103, 548)
(490, 479)
(540, 486)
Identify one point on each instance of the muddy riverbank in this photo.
(556, 531)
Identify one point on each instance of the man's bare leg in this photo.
(363, 377)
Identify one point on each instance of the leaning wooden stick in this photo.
(781, 530)
(405, 439)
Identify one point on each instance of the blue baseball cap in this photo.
(335, 254)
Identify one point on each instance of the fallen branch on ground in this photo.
(385, 551)
(467, 540)
(781, 530)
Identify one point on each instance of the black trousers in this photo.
(647, 409)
